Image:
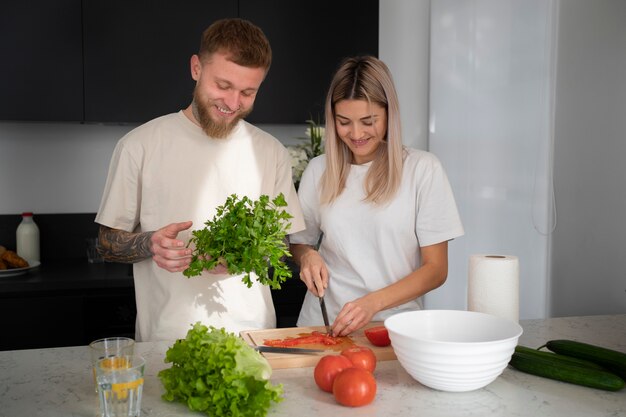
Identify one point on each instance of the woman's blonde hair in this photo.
(363, 78)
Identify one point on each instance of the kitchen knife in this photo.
(325, 316)
(275, 349)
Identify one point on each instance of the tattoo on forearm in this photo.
(126, 247)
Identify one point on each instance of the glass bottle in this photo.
(27, 238)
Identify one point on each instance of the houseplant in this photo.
(302, 153)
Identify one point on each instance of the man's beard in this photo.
(213, 128)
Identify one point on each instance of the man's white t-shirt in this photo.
(167, 171)
(366, 246)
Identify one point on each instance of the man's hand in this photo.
(167, 251)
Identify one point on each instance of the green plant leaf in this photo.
(247, 236)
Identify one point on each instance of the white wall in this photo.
(491, 88)
(62, 167)
(589, 244)
(54, 167)
(404, 41)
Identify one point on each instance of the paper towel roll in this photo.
(493, 285)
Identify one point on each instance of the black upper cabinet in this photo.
(41, 70)
(309, 40)
(122, 61)
(137, 55)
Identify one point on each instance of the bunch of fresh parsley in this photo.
(245, 236)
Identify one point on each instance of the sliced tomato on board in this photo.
(314, 338)
(378, 336)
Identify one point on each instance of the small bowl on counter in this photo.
(452, 350)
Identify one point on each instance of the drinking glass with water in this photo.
(120, 385)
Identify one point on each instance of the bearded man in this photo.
(172, 173)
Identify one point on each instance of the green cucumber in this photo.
(556, 356)
(566, 372)
(612, 360)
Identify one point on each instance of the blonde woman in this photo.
(384, 212)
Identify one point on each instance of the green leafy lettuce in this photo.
(217, 373)
(245, 236)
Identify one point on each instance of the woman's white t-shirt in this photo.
(367, 246)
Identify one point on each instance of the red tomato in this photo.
(361, 357)
(354, 387)
(327, 368)
(378, 336)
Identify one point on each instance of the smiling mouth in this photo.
(359, 142)
(226, 111)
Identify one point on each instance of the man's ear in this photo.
(196, 67)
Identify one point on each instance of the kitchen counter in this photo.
(58, 382)
(65, 275)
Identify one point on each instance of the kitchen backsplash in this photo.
(62, 167)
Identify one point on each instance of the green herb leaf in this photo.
(217, 373)
(246, 236)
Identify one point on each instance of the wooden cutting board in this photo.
(286, 360)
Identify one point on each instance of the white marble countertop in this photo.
(58, 382)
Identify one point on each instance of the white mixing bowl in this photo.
(452, 350)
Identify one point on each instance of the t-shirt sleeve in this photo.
(309, 202)
(284, 184)
(122, 192)
(438, 219)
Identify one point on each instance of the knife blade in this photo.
(325, 316)
(276, 349)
